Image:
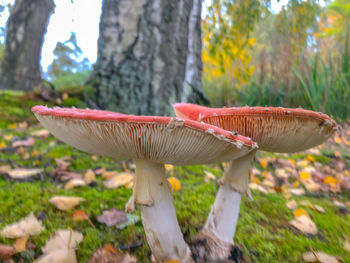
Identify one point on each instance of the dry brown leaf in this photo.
(89, 177)
(119, 180)
(6, 251)
(24, 143)
(319, 209)
(74, 183)
(304, 224)
(109, 254)
(80, 215)
(22, 173)
(100, 171)
(321, 257)
(27, 226)
(112, 217)
(65, 203)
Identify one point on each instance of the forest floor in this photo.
(313, 184)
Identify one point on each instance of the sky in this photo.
(81, 17)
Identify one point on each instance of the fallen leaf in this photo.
(63, 239)
(299, 212)
(60, 247)
(208, 176)
(109, 254)
(119, 180)
(2, 145)
(24, 143)
(89, 177)
(330, 180)
(175, 183)
(4, 169)
(74, 183)
(100, 171)
(6, 251)
(346, 245)
(62, 163)
(43, 133)
(338, 204)
(109, 174)
(304, 175)
(310, 158)
(8, 137)
(321, 257)
(297, 191)
(65, 203)
(21, 244)
(94, 158)
(22, 173)
(27, 226)
(292, 205)
(257, 187)
(112, 217)
(80, 215)
(169, 168)
(132, 219)
(263, 162)
(304, 224)
(319, 208)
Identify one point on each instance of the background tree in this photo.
(20, 68)
(149, 56)
(69, 68)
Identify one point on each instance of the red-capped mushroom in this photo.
(151, 142)
(275, 129)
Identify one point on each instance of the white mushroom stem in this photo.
(153, 193)
(220, 228)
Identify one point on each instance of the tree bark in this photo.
(20, 69)
(145, 49)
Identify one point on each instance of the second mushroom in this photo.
(275, 129)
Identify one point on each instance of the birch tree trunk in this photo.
(149, 56)
(26, 27)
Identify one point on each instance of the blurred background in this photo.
(277, 53)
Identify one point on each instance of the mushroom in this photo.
(275, 129)
(151, 142)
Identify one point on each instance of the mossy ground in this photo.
(263, 230)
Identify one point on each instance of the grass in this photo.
(263, 230)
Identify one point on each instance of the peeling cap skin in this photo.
(157, 139)
(275, 129)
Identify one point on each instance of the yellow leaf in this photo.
(12, 126)
(175, 183)
(263, 162)
(330, 180)
(296, 184)
(21, 244)
(169, 167)
(337, 140)
(299, 212)
(2, 145)
(304, 175)
(310, 158)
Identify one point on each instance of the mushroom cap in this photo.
(157, 139)
(275, 129)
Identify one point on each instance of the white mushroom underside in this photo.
(155, 142)
(277, 133)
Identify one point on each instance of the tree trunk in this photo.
(20, 69)
(149, 56)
